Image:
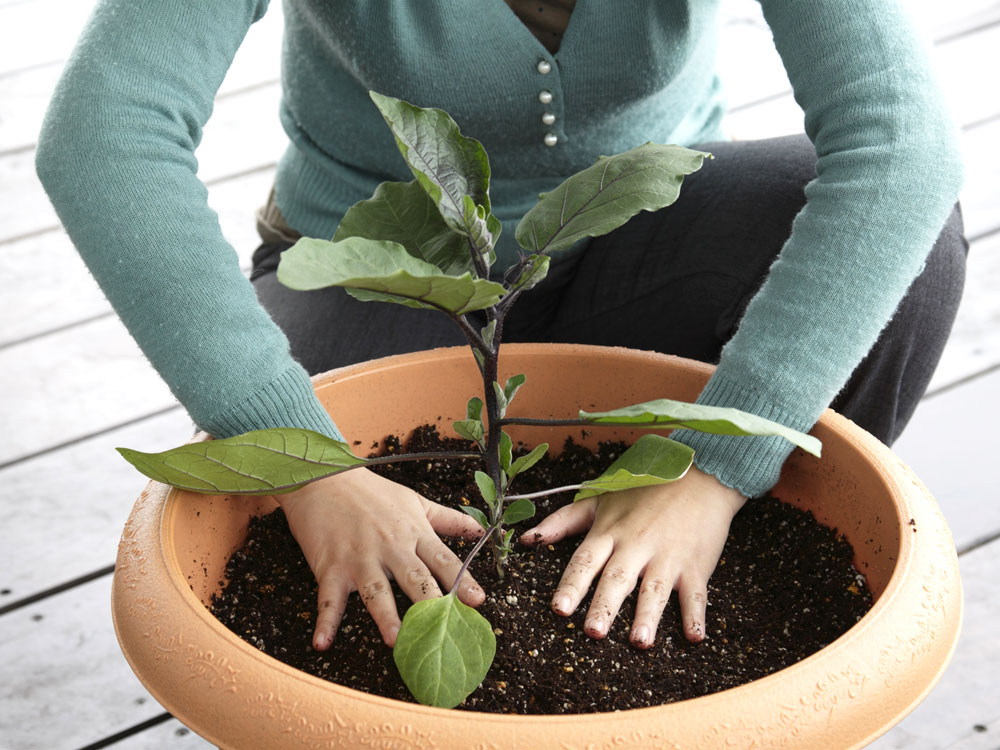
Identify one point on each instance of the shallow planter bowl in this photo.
(175, 545)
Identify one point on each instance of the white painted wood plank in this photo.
(966, 696)
(63, 680)
(974, 345)
(77, 500)
(40, 32)
(243, 134)
(49, 286)
(170, 735)
(981, 191)
(25, 96)
(951, 445)
(72, 384)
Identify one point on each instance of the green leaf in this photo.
(501, 398)
(486, 488)
(666, 414)
(652, 459)
(478, 226)
(506, 451)
(488, 331)
(443, 650)
(263, 462)
(524, 463)
(474, 409)
(383, 271)
(518, 511)
(605, 195)
(470, 429)
(534, 270)
(402, 212)
(480, 517)
(447, 165)
(511, 387)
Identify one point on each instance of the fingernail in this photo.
(393, 632)
(560, 603)
(597, 626)
(640, 634)
(321, 641)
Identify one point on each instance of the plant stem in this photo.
(544, 493)
(472, 553)
(414, 457)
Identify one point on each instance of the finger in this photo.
(580, 571)
(451, 522)
(693, 596)
(376, 594)
(332, 603)
(570, 519)
(414, 578)
(445, 565)
(654, 593)
(617, 581)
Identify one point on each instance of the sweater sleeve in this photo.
(116, 156)
(888, 175)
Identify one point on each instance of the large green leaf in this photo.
(519, 510)
(606, 195)
(448, 165)
(263, 462)
(402, 212)
(377, 270)
(652, 459)
(443, 650)
(666, 414)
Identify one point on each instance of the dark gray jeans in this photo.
(616, 291)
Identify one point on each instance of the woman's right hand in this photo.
(358, 530)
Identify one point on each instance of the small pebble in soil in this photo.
(784, 588)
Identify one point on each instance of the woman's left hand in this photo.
(670, 535)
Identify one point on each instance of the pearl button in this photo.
(548, 118)
(544, 96)
(544, 67)
(551, 139)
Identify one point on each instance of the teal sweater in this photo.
(116, 155)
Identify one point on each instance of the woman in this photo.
(783, 260)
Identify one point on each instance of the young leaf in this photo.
(486, 488)
(652, 459)
(470, 429)
(447, 165)
(519, 510)
(524, 463)
(402, 212)
(606, 195)
(501, 397)
(488, 331)
(480, 517)
(533, 271)
(506, 451)
(667, 414)
(474, 409)
(383, 271)
(263, 462)
(443, 650)
(478, 226)
(511, 387)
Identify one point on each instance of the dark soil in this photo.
(784, 589)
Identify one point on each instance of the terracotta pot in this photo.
(175, 545)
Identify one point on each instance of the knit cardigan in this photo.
(116, 155)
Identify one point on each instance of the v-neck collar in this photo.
(526, 34)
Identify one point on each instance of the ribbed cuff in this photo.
(287, 401)
(750, 464)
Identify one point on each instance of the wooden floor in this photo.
(74, 385)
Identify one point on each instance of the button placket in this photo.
(545, 96)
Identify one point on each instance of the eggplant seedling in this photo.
(429, 243)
